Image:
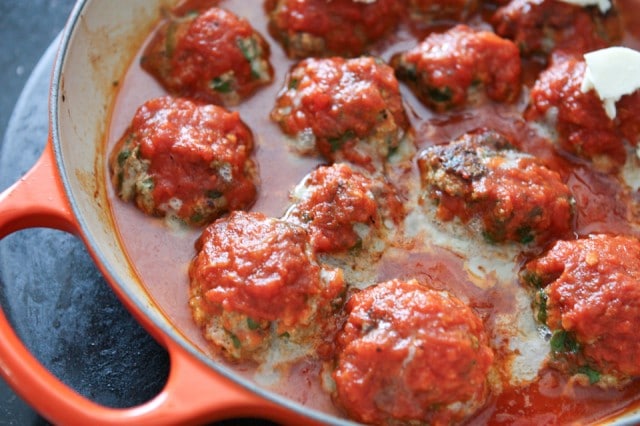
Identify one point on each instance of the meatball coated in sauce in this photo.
(512, 195)
(539, 26)
(437, 11)
(583, 127)
(186, 160)
(212, 56)
(321, 28)
(346, 109)
(343, 208)
(588, 294)
(255, 279)
(407, 353)
(445, 67)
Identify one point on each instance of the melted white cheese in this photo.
(603, 5)
(613, 72)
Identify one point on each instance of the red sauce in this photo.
(592, 289)
(515, 196)
(439, 10)
(443, 67)
(538, 27)
(197, 155)
(604, 206)
(380, 377)
(247, 262)
(339, 198)
(582, 123)
(342, 101)
(179, 56)
(339, 27)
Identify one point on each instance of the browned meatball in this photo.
(186, 160)
(443, 68)
(343, 208)
(255, 279)
(407, 353)
(588, 294)
(582, 125)
(346, 109)
(212, 56)
(436, 11)
(326, 28)
(540, 26)
(512, 195)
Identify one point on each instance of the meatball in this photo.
(212, 56)
(343, 208)
(255, 279)
(443, 68)
(412, 354)
(313, 28)
(540, 26)
(436, 11)
(346, 109)
(182, 159)
(582, 125)
(588, 295)
(510, 195)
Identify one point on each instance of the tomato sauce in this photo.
(378, 380)
(339, 198)
(605, 205)
(443, 67)
(184, 65)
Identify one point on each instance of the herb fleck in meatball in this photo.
(540, 26)
(343, 208)
(588, 294)
(512, 195)
(346, 109)
(444, 67)
(212, 56)
(255, 279)
(583, 127)
(312, 28)
(407, 353)
(187, 160)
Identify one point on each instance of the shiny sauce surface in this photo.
(161, 254)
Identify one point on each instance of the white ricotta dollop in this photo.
(613, 72)
(603, 5)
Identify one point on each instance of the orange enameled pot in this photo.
(65, 190)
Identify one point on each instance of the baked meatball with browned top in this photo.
(439, 11)
(511, 196)
(255, 279)
(346, 109)
(343, 208)
(210, 55)
(313, 28)
(186, 160)
(538, 27)
(412, 355)
(444, 68)
(588, 295)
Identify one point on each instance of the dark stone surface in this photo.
(51, 291)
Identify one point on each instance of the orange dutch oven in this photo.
(96, 46)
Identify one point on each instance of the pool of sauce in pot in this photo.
(604, 207)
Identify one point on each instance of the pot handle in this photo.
(193, 393)
(36, 200)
